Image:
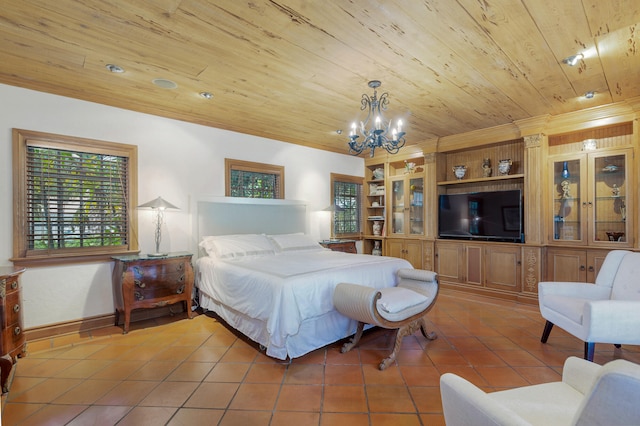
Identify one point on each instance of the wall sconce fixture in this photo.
(573, 59)
(379, 134)
(159, 206)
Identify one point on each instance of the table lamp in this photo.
(159, 205)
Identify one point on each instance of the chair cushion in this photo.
(398, 303)
(570, 307)
(626, 285)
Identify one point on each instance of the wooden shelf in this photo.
(488, 179)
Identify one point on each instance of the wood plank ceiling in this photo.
(295, 70)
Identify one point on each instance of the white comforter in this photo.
(283, 290)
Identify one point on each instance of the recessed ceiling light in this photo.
(573, 59)
(589, 94)
(115, 68)
(339, 131)
(206, 95)
(164, 83)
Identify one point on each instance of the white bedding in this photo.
(284, 301)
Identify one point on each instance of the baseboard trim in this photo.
(86, 325)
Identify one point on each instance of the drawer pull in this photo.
(180, 289)
(16, 308)
(17, 331)
(180, 267)
(139, 296)
(139, 283)
(181, 279)
(14, 285)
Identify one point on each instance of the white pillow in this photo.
(232, 246)
(293, 242)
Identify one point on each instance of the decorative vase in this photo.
(377, 251)
(504, 167)
(378, 173)
(459, 171)
(377, 227)
(565, 170)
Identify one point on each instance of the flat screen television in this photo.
(487, 216)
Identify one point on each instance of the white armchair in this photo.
(607, 312)
(589, 394)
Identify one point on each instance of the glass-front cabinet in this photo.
(591, 199)
(407, 205)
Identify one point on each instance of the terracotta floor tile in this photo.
(389, 399)
(288, 418)
(147, 415)
(195, 416)
(344, 399)
(342, 419)
(416, 375)
(169, 394)
(54, 415)
(87, 392)
(176, 371)
(244, 418)
(100, 415)
(191, 372)
(228, 372)
(128, 393)
(304, 374)
(426, 398)
(212, 395)
(394, 419)
(154, 370)
(84, 369)
(300, 398)
(255, 396)
(47, 391)
(503, 377)
(263, 373)
(343, 375)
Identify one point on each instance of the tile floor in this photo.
(176, 371)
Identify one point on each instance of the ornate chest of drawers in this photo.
(143, 281)
(13, 341)
(346, 246)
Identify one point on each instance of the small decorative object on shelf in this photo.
(377, 251)
(378, 173)
(565, 189)
(409, 167)
(615, 190)
(459, 171)
(504, 166)
(377, 227)
(565, 170)
(615, 236)
(486, 167)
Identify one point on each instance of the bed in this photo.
(258, 270)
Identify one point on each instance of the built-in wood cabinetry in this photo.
(374, 206)
(577, 173)
(408, 249)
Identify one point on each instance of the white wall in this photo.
(175, 160)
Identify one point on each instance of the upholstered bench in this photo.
(401, 308)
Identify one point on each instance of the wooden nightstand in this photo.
(12, 342)
(142, 281)
(346, 246)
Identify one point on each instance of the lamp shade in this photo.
(158, 203)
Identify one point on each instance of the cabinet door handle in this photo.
(14, 285)
(17, 331)
(582, 268)
(591, 269)
(16, 308)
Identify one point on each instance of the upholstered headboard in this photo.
(230, 215)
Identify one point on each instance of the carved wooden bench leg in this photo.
(354, 340)
(425, 333)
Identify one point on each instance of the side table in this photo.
(142, 281)
(13, 341)
(346, 246)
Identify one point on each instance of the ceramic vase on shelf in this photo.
(377, 251)
(459, 171)
(504, 167)
(377, 227)
(565, 170)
